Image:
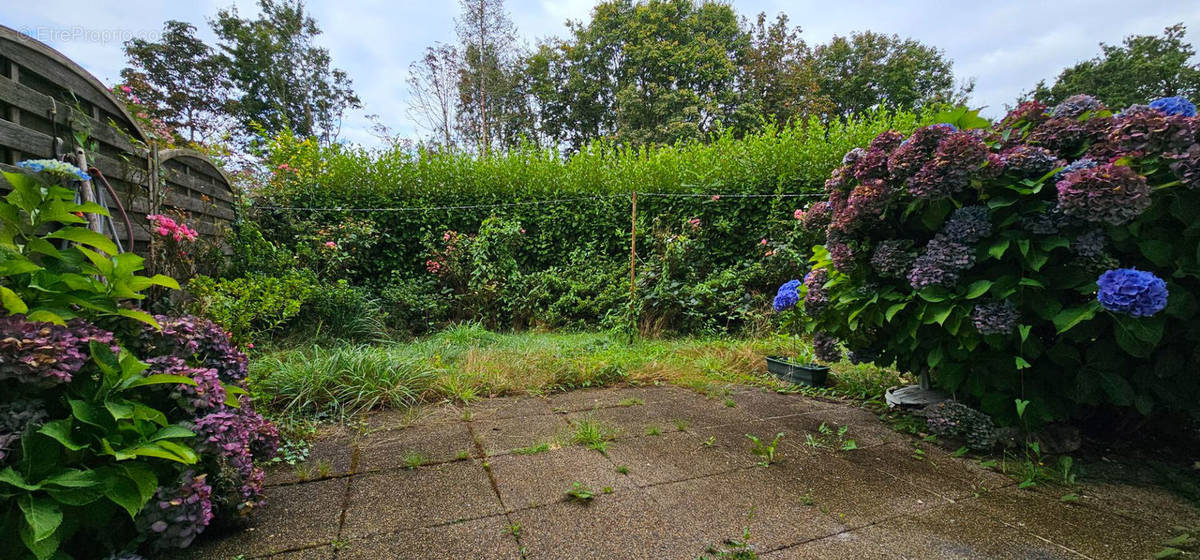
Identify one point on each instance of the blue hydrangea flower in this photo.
(786, 297)
(53, 167)
(1174, 106)
(1132, 292)
(1082, 163)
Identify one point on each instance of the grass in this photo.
(533, 449)
(467, 362)
(593, 434)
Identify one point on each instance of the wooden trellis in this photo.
(46, 100)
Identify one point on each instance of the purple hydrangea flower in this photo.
(195, 339)
(787, 296)
(1082, 163)
(997, 317)
(239, 436)
(842, 256)
(863, 207)
(1144, 130)
(208, 393)
(817, 217)
(816, 298)
(16, 417)
(941, 264)
(893, 258)
(852, 156)
(968, 224)
(1132, 292)
(958, 157)
(1029, 112)
(43, 353)
(1111, 194)
(1075, 106)
(912, 154)
(1174, 106)
(1090, 245)
(176, 516)
(826, 348)
(1186, 166)
(1029, 161)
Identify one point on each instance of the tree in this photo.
(181, 81)
(1143, 68)
(871, 69)
(776, 79)
(285, 80)
(433, 89)
(488, 41)
(648, 73)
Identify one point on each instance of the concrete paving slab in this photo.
(430, 443)
(852, 494)
(296, 517)
(764, 403)
(500, 436)
(702, 412)
(315, 553)
(390, 501)
(633, 421)
(1094, 534)
(671, 457)
(961, 531)
(591, 399)
(865, 426)
(932, 469)
(539, 479)
(426, 414)
(487, 538)
(507, 407)
(731, 439)
(626, 525)
(712, 509)
(849, 545)
(326, 459)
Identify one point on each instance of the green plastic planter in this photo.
(808, 374)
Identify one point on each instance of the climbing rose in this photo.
(786, 297)
(1112, 194)
(1132, 292)
(1174, 106)
(798, 214)
(998, 317)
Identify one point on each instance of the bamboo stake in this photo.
(85, 191)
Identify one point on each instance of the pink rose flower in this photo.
(763, 242)
(716, 197)
(799, 214)
(330, 245)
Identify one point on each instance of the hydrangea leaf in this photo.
(86, 237)
(12, 302)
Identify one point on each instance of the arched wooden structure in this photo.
(46, 100)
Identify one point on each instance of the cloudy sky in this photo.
(1007, 46)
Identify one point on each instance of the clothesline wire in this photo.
(713, 196)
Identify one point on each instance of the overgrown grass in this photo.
(467, 362)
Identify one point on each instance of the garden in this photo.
(833, 330)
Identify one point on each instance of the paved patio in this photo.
(678, 477)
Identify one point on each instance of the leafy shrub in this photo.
(252, 306)
(991, 257)
(583, 292)
(414, 305)
(343, 311)
(103, 450)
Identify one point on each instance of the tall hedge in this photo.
(593, 184)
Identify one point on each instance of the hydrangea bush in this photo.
(1051, 257)
(119, 431)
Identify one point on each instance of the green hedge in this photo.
(793, 159)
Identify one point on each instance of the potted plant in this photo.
(801, 367)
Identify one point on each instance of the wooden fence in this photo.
(46, 100)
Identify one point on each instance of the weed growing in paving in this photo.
(608, 489)
(712, 440)
(515, 530)
(827, 438)
(593, 434)
(580, 493)
(730, 403)
(681, 425)
(733, 549)
(462, 455)
(633, 401)
(765, 451)
(807, 499)
(533, 449)
(1184, 544)
(414, 459)
(622, 469)
(653, 431)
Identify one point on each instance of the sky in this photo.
(1006, 46)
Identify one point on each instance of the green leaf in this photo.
(894, 309)
(1023, 245)
(14, 264)
(159, 379)
(1032, 283)
(172, 431)
(978, 288)
(143, 477)
(140, 316)
(1021, 363)
(12, 478)
(996, 251)
(125, 492)
(934, 357)
(44, 316)
(1118, 389)
(12, 303)
(1068, 318)
(165, 281)
(42, 515)
(937, 313)
(1157, 251)
(72, 478)
(60, 431)
(89, 413)
(85, 237)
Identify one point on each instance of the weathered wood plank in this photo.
(33, 101)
